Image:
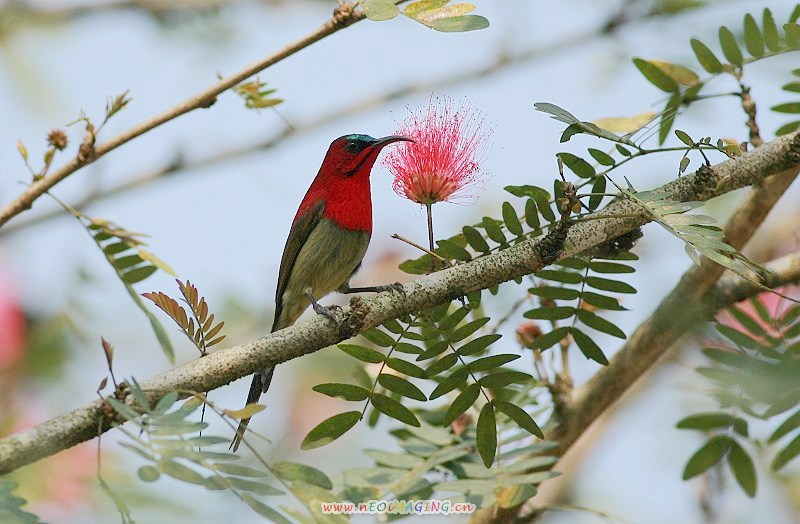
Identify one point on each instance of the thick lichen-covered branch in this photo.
(225, 366)
(697, 297)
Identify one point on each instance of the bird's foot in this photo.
(396, 287)
(327, 312)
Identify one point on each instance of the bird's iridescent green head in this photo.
(355, 143)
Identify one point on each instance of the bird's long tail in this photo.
(259, 386)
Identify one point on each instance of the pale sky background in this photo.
(224, 226)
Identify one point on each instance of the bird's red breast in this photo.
(348, 201)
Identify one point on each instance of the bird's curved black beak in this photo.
(380, 142)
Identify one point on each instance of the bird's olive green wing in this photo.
(298, 235)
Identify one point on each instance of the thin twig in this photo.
(423, 249)
(749, 107)
(503, 60)
(344, 15)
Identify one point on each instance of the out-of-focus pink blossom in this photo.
(443, 164)
(527, 332)
(12, 327)
(774, 304)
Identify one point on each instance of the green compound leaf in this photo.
(486, 435)
(478, 345)
(401, 386)
(577, 165)
(605, 284)
(181, 472)
(407, 368)
(378, 337)
(520, 416)
(789, 107)
(707, 456)
(599, 266)
(772, 38)
(786, 454)
(345, 391)
(708, 60)
(264, 510)
(599, 323)
(655, 75)
(548, 339)
(602, 158)
(330, 429)
(389, 406)
(706, 421)
(291, 471)
(743, 469)
(788, 425)
(362, 353)
(602, 301)
(729, 46)
(475, 239)
(239, 470)
(467, 329)
(668, 117)
(598, 188)
(511, 219)
(566, 277)
(555, 293)
(456, 379)
(11, 510)
(588, 347)
(492, 362)
(380, 10)
(792, 32)
(550, 313)
(753, 40)
(504, 378)
(443, 364)
(462, 403)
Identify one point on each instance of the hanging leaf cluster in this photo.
(698, 232)
(586, 284)
(124, 251)
(683, 84)
(200, 328)
(434, 462)
(443, 348)
(440, 15)
(753, 369)
(792, 108)
(171, 444)
(577, 126)
(11, 505)
(255, 95)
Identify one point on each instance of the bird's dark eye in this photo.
(353, 147)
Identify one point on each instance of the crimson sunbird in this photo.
(327, 240)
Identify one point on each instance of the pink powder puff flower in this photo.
(443, 165)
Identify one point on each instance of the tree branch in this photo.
(225, 366)
(343, 16)
(686, 306)
(503, 60)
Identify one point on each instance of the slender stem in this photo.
(344, 15)
(414, 244)
(429, 208)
